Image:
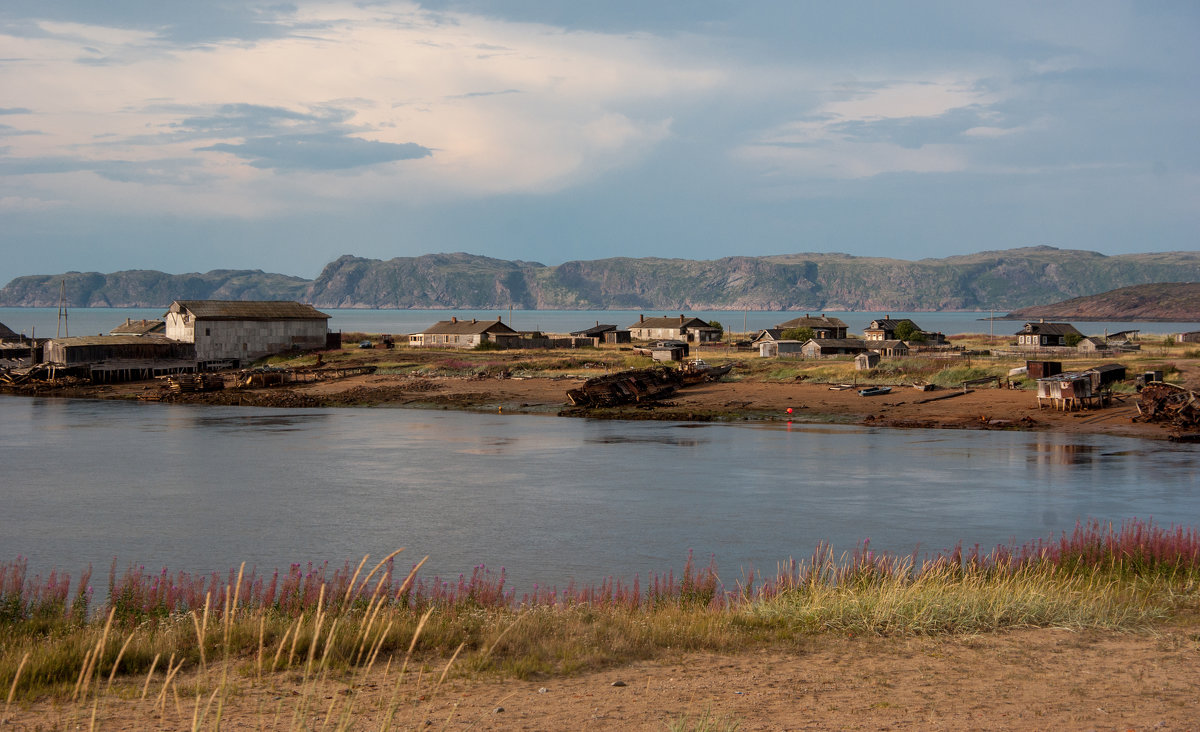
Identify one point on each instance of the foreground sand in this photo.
(1023, 680)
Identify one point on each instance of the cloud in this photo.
(324, 151)
(15, 110)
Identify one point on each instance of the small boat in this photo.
(875, 391)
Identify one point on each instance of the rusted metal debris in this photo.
(642, 385)
(1170, 404)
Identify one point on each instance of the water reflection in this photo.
(550, 499)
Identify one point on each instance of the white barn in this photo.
(238, 332)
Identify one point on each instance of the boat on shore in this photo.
(875, 391)
(643, 385)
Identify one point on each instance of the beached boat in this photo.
(875, 391)
(642, 385)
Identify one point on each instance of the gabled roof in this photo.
(595, 330)
(886, 344)
(139, 327)
(889, 324)
(6, 333)
(812, 321)
(454, 326)
(838, 342)
(247, 310)
(677, 322)
(768, 334)
(1059, 329)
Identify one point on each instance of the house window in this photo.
(206, 332)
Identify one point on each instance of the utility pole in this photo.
(63, 331)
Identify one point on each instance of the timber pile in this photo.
(626, 387)
(1171, 404)
(181, 383)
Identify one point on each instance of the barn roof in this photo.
(247, 310)
(6, 333)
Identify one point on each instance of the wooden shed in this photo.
(1042, 369)
(866, 361)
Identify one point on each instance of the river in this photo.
(551, 500)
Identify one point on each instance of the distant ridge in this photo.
(997, 281)
(1162, 301)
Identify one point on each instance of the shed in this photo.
(1108, 373)
(866, 361)
(1041, 369)
(1192, 336)
(1067, 391)
(781, 348)
(668, 351)
(825, 347)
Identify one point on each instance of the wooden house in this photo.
(237, 332)
(140, 328)
(1043, 334)
(691, 330)
(1192, 336)
(455, 333)
(822, 327)
(891, 349)
(604, 333)
(828, 347)
(884, 329)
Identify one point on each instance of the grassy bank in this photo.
(340, 625)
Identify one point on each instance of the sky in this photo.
(187, 136)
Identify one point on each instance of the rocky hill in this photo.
(999, 280)
(1165, 301)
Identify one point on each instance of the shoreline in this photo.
(722, 401)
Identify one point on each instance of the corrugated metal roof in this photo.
(467, 327)
(247, 310)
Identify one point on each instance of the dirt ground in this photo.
(1023, 680)
(986, 408)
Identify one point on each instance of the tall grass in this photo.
(340, 622)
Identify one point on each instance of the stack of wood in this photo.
(22, 376)
(180, 383)
(1174, 405)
